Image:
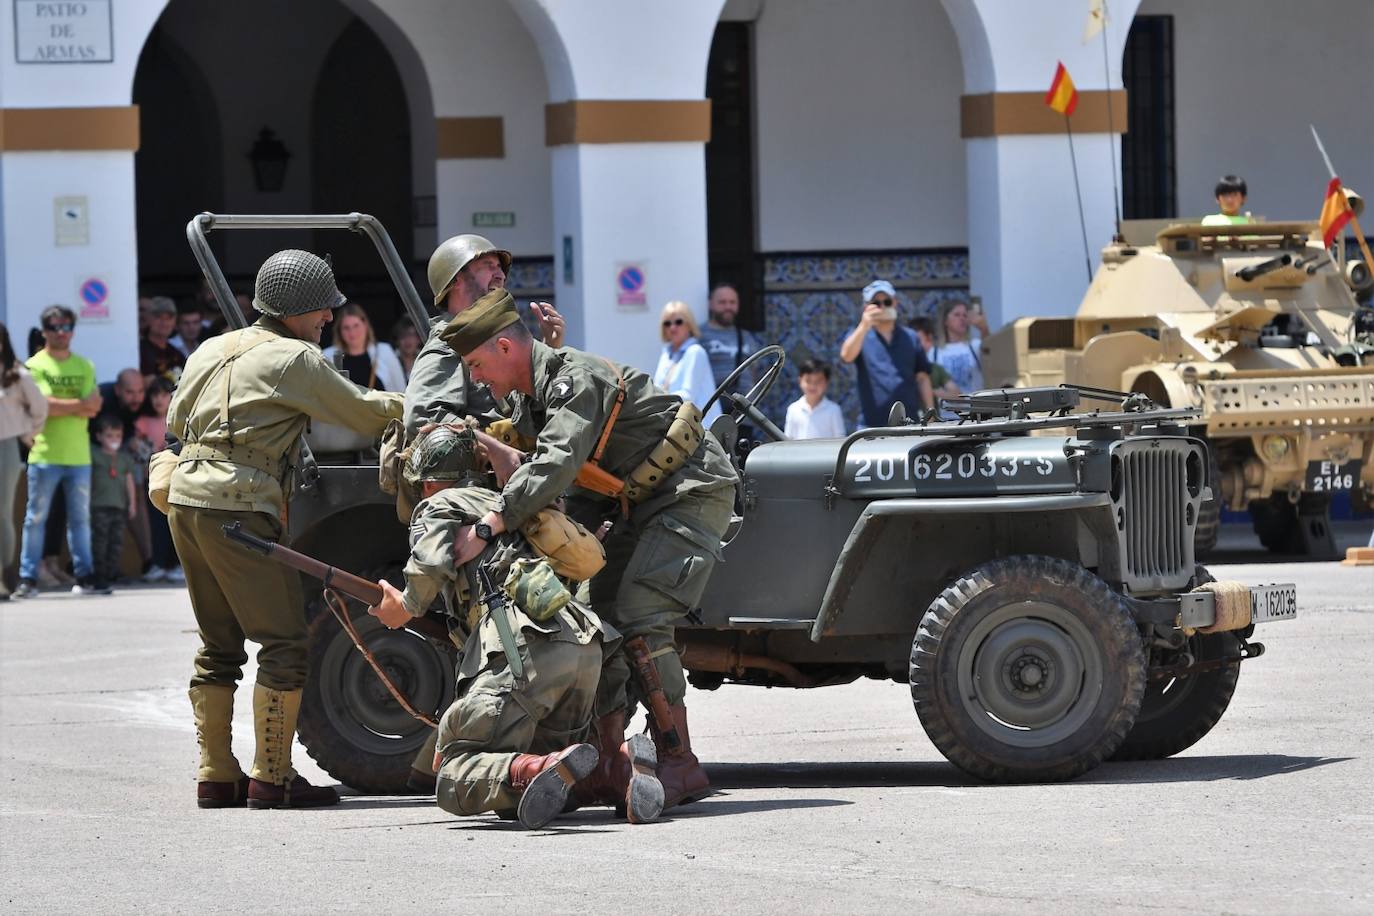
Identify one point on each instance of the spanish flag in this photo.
(1062, 97)
(1336, 212)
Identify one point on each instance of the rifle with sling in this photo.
(356, 587)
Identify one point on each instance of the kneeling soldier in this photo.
(513, 739)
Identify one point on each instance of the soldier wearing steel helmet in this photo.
(514, 739)
(462, 270)
(239, 412)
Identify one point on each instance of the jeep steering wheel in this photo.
(745, 405)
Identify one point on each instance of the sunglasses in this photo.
(59, 328)
(673, 322)
(884, 302)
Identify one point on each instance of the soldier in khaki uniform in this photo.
(660, 557)
(239, 412)
(461, 270)
(512, 740)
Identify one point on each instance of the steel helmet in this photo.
(445, 452)
(293, 282)
(455, 254)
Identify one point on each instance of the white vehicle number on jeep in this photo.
(1273, 602)
(1006, 466)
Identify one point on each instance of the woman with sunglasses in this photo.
(684, 369)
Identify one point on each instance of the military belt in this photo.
(235, 454)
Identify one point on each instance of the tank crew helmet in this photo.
(446, 453)
(293, 282)
(455, 254)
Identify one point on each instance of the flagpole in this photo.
(1111, 138)
(1354, 222)
(1078, 192)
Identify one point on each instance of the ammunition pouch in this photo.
(504, 431)
(681, 442)
(571, 550)
(533, 586)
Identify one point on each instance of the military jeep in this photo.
(1038, 592)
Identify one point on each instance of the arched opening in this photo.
(360, 143)
(179, 166)
(212, 76)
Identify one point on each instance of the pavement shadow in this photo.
(1206, 769)
(836, 775)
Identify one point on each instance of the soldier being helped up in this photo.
(513, 740)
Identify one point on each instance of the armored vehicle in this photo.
(1037, 592)
(1256, 326)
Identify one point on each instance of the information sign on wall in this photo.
(71, 221)
(63, 32)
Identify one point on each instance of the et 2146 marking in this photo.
(948, 466)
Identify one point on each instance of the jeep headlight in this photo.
(1275, 448)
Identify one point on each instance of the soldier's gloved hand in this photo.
(550, 323)
(392, 611)
(504, 458)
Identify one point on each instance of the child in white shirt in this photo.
(813, 415)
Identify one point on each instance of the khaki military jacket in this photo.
(573, 395)
(255, 406)
(430, 572)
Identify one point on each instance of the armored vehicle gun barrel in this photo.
(1258, 270)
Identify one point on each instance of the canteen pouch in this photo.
(572, 550)
(504, 431)
(532, 586)
(160, 467)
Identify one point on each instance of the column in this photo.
(67, 139)
(627, 123)
(1026, 247)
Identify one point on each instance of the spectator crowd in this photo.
(84, 445)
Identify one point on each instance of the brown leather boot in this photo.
(544, 782)
(296, 794)
(624, 776)
(679, 771)
(222, 794)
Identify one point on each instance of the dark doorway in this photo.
(730, 231)
(1149, 181)
(360, 140)
(178, 169)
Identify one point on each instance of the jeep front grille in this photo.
(1157, 490)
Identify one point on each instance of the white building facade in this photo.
(798, 147)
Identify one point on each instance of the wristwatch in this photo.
(483, 531)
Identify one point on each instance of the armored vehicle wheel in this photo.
(1275, 521)
(349, 723)
(1027, 669)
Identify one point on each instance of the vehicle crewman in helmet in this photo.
(239, 412)
(668, 486)
(513, 740)
(461, 270)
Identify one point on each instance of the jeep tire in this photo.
(349, 723)
(1027, 669)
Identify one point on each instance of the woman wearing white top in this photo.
(23, 410)
(957, 350)
(358, 353)
(684, 369)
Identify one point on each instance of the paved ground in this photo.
(831, 801)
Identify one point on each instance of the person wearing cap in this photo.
(891, 364)
(462, 270)
(238, 413)
(626, 452)
(156, 355)
(511, 742)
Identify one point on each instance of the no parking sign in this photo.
(629, 286)
(94, 296)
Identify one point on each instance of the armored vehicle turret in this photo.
(1259, 326)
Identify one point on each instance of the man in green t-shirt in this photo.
(61, 453)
